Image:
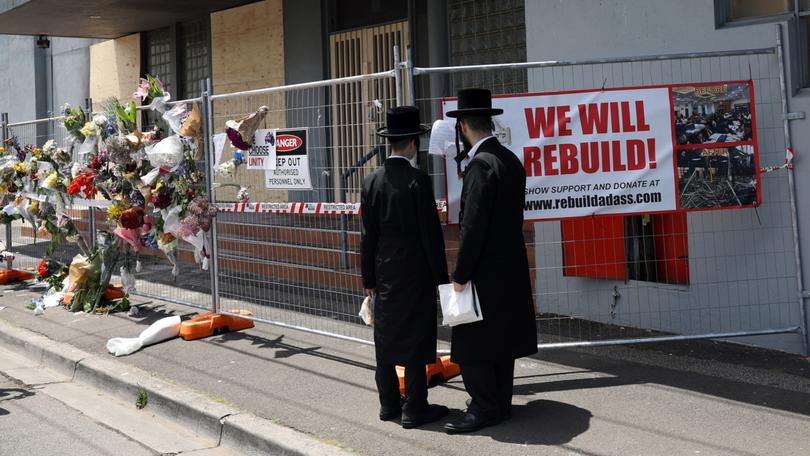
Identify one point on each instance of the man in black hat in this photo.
(491, 256)
(403, 261)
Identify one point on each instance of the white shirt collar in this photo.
(474, 150)
(399, 156)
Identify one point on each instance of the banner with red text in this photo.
(628, 150)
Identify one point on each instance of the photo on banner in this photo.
(717, 160)
(623, 151)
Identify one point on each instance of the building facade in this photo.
(725, 271)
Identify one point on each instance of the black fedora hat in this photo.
(402, 122)
(474, 102)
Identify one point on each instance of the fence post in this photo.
(4, 135)
(398, 75)
(411, 87)
(91, 211)
(792, 193)
(208, 130)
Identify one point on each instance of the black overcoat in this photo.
(402, 250)
(492, 254)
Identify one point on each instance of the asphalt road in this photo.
(34, 424)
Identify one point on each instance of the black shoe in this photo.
(427, 415)
(504, 415)
(390, 413)
(468, 423)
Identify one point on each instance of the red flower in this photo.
(42, 269)
(131, 218)
(161, 200)
(83, 183)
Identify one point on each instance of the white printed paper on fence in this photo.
(585, 153)
(262, 154)
(292, 162)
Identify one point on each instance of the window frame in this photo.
(176, 81)
(801, 56)
(722, 15)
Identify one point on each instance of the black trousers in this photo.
(490, 387)
(415, 386)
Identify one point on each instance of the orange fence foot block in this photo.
(209, 324)
(440, 371)
(113, 292)
(13, 275)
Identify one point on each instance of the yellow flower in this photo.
(3, 188)
(51, 180)
(159, 185)
(20, 168)
(2, 150)
(114, 211)
(89, 129)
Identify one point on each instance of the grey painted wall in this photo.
(35, 82)
(304, 61)
(742, 268)
(17, 77)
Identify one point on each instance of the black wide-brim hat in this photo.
(474, 102)
(402, 122)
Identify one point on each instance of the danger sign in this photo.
(291, 170)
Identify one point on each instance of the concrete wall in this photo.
(70, 60)
(17, 77)
(247, 52)
(115, 67)
(742, 268)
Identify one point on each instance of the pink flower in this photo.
(143, 90)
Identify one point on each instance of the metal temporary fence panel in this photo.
(629, 278)
(192, 287)
(291, 256)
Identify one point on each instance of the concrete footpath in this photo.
(677, 399)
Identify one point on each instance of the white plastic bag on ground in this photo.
(163, 329)
(367, 311)
(459, 308)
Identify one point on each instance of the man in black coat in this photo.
(491, 257)
(403, 261)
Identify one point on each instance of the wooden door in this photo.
(358, 108)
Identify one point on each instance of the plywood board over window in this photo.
(247, 52)
(359, 108)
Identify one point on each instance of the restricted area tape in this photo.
(302, 208)
(291, 208)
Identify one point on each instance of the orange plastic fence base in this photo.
(13, 275)
(209, 323)
(112, 292)
(440, 371)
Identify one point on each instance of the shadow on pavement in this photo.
(283, 349)
(627, 372)
(540, 422)
(10, 394)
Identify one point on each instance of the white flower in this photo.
(242, 195)
(100, 120)
(227, 169)
(76, 169)
(49, 146)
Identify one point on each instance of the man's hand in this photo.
(371, 292)
(459, 287)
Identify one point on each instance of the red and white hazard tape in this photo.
(302, 208)
(291, 208)
(789, 154)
